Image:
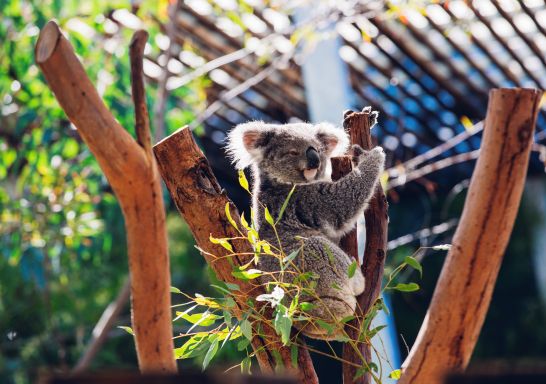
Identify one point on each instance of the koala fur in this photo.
(320, 211)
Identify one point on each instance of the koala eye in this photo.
(293, 152)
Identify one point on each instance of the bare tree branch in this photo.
(463, 292)
(103, 327)
(133, 174)
(142, 120)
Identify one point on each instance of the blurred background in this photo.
(426, 66)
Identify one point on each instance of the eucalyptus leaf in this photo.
(412, 262)
(351, 270)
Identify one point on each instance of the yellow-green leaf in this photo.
(268, 217)
(396, 374)
(204, 319)
(223, 242)
(205, 301)
(129, 330)
(230, 219)
(243, 180)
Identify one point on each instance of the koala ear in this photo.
(244, 143)
(250, 139)
(335, 140)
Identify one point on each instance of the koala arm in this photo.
(336, 205)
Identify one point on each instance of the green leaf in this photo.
(411, 287)
(223, 242)
(279, 364)
(330, 255)
(291, 256)
(326, 326)
(396, 374)
(233, 286)
(346, 319)
(230, 219)
(211, 352)
(129, 330)
(285, 203)
(243, 182)
(246, 329)
(373, 332)
(175, 290)
(268, 217)
(342, 339)
(352, 269)
(282, 324)
(307, 306)
(194, 346)
(246, 275)
(412, 262)
(360, 372)
(294, 355)
(245, 365)
(383, 306)
(243, 344)
(336, 286)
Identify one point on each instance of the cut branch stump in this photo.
(461, 299)
(201, 202)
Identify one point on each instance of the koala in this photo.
(318, 213)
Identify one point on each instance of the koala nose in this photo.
(313, 158)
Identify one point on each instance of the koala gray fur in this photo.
(320, 211)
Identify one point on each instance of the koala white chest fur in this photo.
(319, 211)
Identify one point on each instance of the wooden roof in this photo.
(427, 73)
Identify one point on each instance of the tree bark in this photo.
(463, 292)
(201, 202)
(359, 125)
(131, 169)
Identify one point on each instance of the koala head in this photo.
(288, 153)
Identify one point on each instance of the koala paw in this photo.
(357, 153)
(373, 159)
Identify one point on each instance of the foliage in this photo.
(212, 322)
(62, 254)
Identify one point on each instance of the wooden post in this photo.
(359, 124)
(463, 292)
(130, 167)
(201, 202)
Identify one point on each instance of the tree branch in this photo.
(103, 327)
(463, 292)
(142, 121)
(135, 180)
(201, 202)
(359, 125)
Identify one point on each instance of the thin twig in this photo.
(162, 89)
(422, 233)
(401, 169)
(441, 164)
(142, 121)
(103, 327)
(234, 92)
